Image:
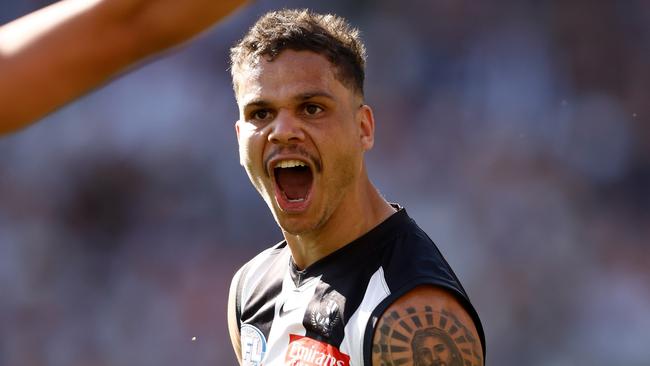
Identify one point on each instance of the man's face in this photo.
(433, 351)
(302, 134)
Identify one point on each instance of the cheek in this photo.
(343, 139)
(250, 157)
(244, 148)
(243, 152)
(249, 146)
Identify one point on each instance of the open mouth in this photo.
(293, 180)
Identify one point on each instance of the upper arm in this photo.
(425, 325)
(233, 328)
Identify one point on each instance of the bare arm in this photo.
(233, 329)
(53, 55)
(426, 326)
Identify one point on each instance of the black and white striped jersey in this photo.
(326, 313)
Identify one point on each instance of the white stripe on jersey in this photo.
(290, 309)
(352, 344)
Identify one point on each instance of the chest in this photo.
(313, 322)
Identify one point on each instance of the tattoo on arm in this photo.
(425, 337)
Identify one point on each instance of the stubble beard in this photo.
(341, 187)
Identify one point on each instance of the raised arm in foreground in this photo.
(53, 55)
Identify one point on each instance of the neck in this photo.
(352, 218)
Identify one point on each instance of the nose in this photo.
(286, 129)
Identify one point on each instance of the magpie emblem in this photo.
(327, 314)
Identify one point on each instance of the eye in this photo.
(260, 114)
(312, 109)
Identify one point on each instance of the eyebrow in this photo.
(299, 98)
(310, 95)
(256, 103)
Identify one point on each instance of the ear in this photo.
(237, 129)
(237, 123)
(366, 126)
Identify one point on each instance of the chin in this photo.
(295, 229)
(295, 225)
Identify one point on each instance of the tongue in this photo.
(294, 182)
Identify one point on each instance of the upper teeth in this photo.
(290, 164)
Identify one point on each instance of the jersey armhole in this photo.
(238, 292)
(384, 304)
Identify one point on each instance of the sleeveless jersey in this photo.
(326, 313)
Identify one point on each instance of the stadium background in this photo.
(516, 132)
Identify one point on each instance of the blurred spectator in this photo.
(516, 132)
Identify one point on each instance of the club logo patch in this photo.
(305, 351)
(327, 313)
(253, 345)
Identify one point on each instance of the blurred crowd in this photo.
(517, 134)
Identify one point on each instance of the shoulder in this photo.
(414, 259)
(247, 273)
(427, 325)
(264, 257)
(409, 238)
(253, 270)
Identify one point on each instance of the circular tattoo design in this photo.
(427, 338)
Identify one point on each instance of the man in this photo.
(433, 347)
(355, 279)
(56, 54)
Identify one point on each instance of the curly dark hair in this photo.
(304, 30)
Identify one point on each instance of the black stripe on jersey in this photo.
(243, 272)
(324, 319)
(340, 271)
(330, 310)
(260, 307)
